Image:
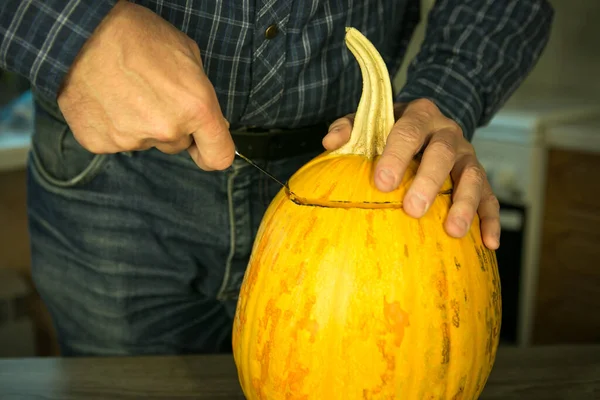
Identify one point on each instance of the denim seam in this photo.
(232, 242)
(92, 168)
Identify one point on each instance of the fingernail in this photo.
(386, 178)
(461, 224)
(418, 203)
(334, 128)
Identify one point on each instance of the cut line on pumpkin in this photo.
(370, 205)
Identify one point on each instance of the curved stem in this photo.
(375, 114)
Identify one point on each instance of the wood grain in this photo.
(548, 373)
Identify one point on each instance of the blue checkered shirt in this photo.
(474, 55)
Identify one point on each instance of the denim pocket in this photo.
(56, 155)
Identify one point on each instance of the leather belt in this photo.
(276, 144)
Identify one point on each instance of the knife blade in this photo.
(249, 161)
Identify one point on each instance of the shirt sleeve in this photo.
(475, 55)
(39, 39)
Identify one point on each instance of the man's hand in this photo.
(419, 124)
(138, 83)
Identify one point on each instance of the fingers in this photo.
(421, 123)
(436, 164)
(341, 129)
(489, 215)
(177, 146)
(404, 141)
(209, 144)
(195, 154)
(339, 133)
(214, 147)
(469, 178)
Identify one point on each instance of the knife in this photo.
(249, 161)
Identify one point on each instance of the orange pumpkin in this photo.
(347, 297)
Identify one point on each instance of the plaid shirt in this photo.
(474, 56)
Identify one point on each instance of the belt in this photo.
(276, 144)
(254, 143)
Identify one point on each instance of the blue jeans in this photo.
(143, 252)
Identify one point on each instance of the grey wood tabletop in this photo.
(548, 373)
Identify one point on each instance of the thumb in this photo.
(213, 147)
(339, 133)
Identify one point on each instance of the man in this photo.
(141, 220)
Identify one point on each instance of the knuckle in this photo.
(470, 200)
(466, 146)
(129, 144)
(394, 157)
(126, 142)
(196, 108)
(493, 201)
(430, 181)
(340, 123)
(122, 144)
(427, 106)
(169, 150)
(212, 133)
(453, 126)
(165, 133)
(193, 46)
(443, 149)
(475, 174)
(172, 148)
(220, 162)
(120, 126)
(408, 133)
(93, 146)
(192, 43)
(490, 219)
(422, 116)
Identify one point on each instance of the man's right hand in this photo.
(138, 83)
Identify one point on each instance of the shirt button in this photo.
(271, 31)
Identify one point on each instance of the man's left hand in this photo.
(420, 124)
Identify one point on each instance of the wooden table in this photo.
(569, 373)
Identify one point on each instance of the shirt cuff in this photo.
(44, 37)
(455, 96)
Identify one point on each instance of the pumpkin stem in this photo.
(375, 114)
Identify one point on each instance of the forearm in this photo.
(475, 54)
(39, 39)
